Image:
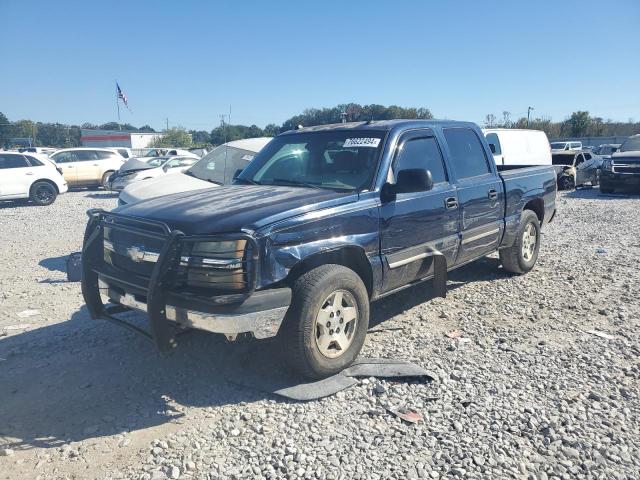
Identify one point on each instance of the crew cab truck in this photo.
(323, 221)
(622, 169)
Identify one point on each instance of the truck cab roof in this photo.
(388, 125)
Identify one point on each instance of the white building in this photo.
(117, 138)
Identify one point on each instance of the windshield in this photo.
(341, 160)
(558, 145)
(562, 159)
(220, 164)
(157, 162)
(632, 144)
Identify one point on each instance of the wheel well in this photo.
(537, 207)
(350, 257)
(45, 180)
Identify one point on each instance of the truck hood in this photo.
(235, 207)
(162, 185)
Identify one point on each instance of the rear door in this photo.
(416, 225)
(480, 193)
(16, 175)
(88, 168)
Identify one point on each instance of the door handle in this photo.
(493, 194)
(29, 173)
(451, 203)
(96, 165)
(70, 166)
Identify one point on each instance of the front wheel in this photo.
(327, 322)
(567, 182)
(523, 254)
(43, 193)
(105, 180)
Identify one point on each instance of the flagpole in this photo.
(118, 106)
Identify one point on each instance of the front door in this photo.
(67, 162)
(415, 226)
(480, 194)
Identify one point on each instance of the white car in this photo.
(134, 170)
(87, 167)
(165, 152)
(31, 176)
(518, 147)
(217, 167)
(564, 146)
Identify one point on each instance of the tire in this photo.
(596, 179)
(43, 193)
(315, 326)
(566, 183)
(105, 179)
(523, 254)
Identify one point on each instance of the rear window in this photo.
(632, 144)
(492, 139)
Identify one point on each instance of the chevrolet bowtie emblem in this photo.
(136, 253)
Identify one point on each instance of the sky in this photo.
(190, 61)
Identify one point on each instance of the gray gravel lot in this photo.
(542, 383)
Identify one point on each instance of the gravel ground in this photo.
(542, 383)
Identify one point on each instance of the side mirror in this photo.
(165, 167)
(409, 180)
(237, 173)
(492, 147)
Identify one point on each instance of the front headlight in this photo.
(219, 265)
(606, 165)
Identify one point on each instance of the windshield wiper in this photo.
(213, 181)
(296, 183)
(248, 180)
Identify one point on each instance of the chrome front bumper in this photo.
(260, 315)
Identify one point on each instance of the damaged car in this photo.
(576, 169)
(323, 221)
(134, 170)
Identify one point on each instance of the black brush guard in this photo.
(160, 331)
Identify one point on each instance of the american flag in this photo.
(122, 96)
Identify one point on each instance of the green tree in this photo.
(176, 137)
(578, 124)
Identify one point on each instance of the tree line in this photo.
(578, 124)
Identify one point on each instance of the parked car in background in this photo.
(38, 150)
(31, 176)
(87, 167)
(123, 151)
(606, 149)
(165, 152)
(575, 169)
(323, 221)
(134, 170)
(562, 146)
(622, 169)
(518, 147)
(215, 168)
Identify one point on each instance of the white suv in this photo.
(87, 167)
(29, 176)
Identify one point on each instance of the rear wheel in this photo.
(523, 254)
(43, 193)
(327, 322)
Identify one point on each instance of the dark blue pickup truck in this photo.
(322, 221)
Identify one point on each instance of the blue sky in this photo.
(190, 60)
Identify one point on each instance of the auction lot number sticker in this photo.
(361, 142)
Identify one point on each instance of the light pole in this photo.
(529, 114)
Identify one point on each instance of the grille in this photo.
(132, 247)
(626, 168)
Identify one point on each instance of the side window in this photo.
(103, 155)
(579, 159)
(87, 155)
(421, 153)
(124, 153)
(12, 161)
(494, 143)
(587, 156)
(467, 154)
(34, 161)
